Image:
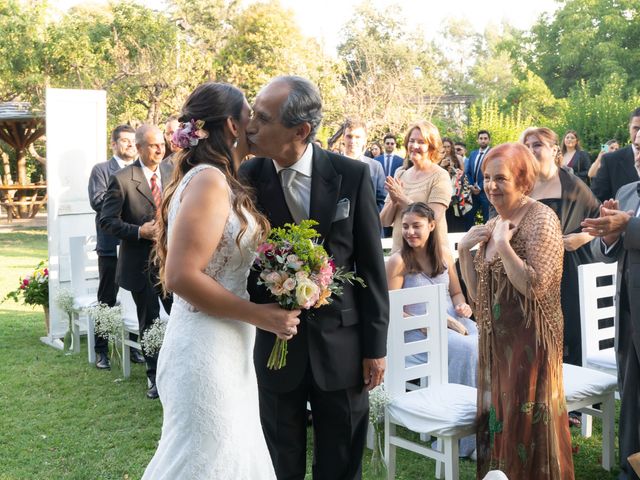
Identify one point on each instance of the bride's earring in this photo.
(523, 200)
(235, 143)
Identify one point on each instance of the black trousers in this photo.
(107, 292)
(148, 309)
(628, 358)
(340, 420)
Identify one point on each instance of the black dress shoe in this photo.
(102, 361)
(152, 393)
(136, 356)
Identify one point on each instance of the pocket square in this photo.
(342, 209)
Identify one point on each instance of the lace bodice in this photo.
(230, 263)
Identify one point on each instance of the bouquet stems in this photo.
(278, 357)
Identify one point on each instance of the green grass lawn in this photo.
(61, 418)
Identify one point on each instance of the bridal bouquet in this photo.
(299, 273)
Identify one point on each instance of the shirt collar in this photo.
(304, 165)
(148, 173)
(121, 162)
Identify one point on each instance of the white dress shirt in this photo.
(302, 181)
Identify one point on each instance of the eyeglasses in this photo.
(389, 143)
(458, 149)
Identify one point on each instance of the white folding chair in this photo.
(454, 238)
(597, 292)
(597, 305)
(132, 326)
(84, 285)
(445, 411)
(585, 387)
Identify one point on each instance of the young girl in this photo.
(422, 261)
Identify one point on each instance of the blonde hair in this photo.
(431, 135)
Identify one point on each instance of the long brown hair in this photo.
(213, 103)
(432, 247)
(431, 135)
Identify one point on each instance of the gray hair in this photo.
(303, 104)
(142, 130)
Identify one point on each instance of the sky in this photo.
(324, 20)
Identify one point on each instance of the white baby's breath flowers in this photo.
(153, 337)
(108, 321)
(64, 300)
(378, 401)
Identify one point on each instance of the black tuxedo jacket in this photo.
(128, 204)
(616, 170)
(106, 244)
(334, 339)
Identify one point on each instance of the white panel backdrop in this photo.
(76, 133)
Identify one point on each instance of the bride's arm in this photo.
(197, 231)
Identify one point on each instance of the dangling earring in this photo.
(235, 143)
(523, 200)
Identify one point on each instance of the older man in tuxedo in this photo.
(129, 212)
(619, 230)
(124, 153)
(618, 168)
(339, 351)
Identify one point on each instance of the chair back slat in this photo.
(597, 303)
(84, 265)
(399, 371)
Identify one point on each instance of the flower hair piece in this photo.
(189, 134)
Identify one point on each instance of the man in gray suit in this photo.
(619, 230)
(124, 153)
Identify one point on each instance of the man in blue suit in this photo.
(389, 160)
(473, 171)
(124, 153)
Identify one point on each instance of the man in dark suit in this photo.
(128, 212)
(619, 229)
(473, 171)
(124, 153)
(338, 353)
(389, 160)
(618, 168)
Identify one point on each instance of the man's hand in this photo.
(148, 230)
(373, 371)
(475, 190)
(610, 223)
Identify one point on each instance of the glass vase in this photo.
(377, 465)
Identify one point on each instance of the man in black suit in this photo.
(338, 353)
(619, 229)
(128, 212)
(618, 168)
(124, 153)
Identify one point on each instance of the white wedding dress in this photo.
(206, 378)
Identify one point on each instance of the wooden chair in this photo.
(84, 285)
(445, 411)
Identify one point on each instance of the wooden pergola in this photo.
(19, 129)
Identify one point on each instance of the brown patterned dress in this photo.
(523, 429)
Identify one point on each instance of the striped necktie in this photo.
(155, 191)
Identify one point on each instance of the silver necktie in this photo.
(298, 212)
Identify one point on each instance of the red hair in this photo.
(520, 162)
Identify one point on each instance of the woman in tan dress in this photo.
(421, 179)
(514, 285)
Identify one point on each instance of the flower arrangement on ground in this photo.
(34, 288)
(152, 339)
(108, 324)
(65, 300)
(379, 398)
(298, 273)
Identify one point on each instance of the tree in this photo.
(390, 73)
(584, 40)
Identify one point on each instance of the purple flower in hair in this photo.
(189, 134)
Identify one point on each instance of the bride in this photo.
(208, 234)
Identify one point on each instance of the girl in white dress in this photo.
(207, 235)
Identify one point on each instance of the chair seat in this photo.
(581, 383)
(604, 359)
(130, 322)
(84, 301)
(438, 410)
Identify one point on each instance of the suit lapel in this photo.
(113, 166)
(325, 188)
(138, 178)
(629, 166)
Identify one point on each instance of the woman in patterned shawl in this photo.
(514, 285)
